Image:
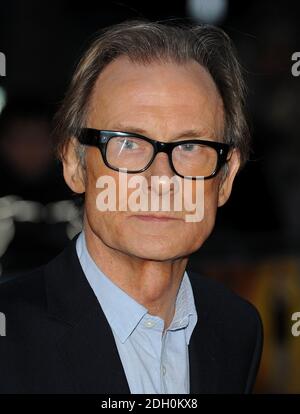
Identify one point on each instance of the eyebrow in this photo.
(190, 133)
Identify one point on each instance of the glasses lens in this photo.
(194, 160)
(128, 153)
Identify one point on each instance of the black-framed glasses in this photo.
(134, 153)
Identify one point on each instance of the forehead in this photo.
(163, 96)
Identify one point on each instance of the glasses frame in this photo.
(100, 139)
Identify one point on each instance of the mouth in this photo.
(155, 217)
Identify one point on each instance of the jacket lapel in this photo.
(87, 346)
(205, 363)
(204, 372)
(90, 353)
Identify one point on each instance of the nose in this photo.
(162, 171)
(161, 166)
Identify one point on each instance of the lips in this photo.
(156, 217)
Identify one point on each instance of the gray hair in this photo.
(144, 42)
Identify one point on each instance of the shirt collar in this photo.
(185, 310)
(122, 312)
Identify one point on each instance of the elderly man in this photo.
(116, 312)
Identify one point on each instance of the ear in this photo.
(226, 182)
(73, 170)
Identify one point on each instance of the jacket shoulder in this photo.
(222, 302)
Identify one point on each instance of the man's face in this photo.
(162, 101)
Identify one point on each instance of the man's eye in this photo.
(128, 144)
(189, 147)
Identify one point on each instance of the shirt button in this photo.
(149, 324)
(164, 370)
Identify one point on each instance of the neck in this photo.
(153, 284)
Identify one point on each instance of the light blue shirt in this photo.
(155, 362)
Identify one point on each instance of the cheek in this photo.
(211, 203)
(211, 194)
(205, 197)
(95, 168)
(200, 231)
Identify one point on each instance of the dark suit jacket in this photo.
(58, 340)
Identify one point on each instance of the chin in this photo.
(152, 250)
(155, 256)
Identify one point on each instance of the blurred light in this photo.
(2, 98)
(61, 211)
(7, 228)
(207, 11)
(24, 210)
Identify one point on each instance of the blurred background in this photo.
(255, 248)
